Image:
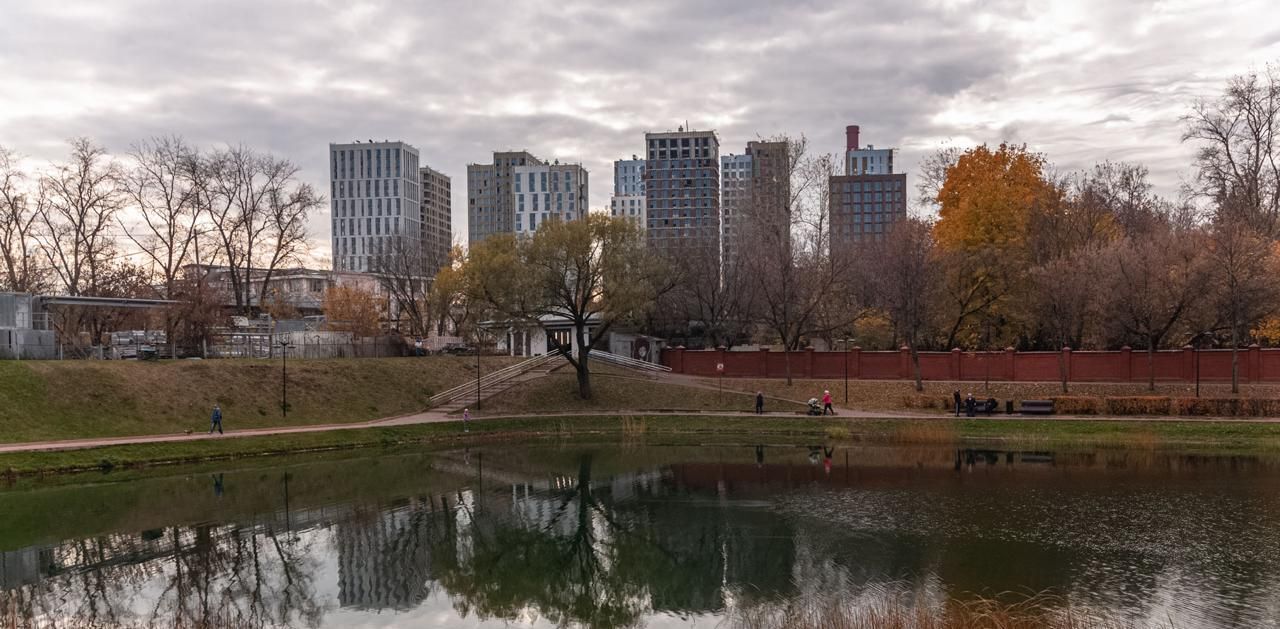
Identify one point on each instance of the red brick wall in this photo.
(1256, 365)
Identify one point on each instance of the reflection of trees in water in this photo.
(198, 577)
(577, 556)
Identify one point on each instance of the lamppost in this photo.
(848, 344)
(477, 369)
(284, 377)
(1196, 349)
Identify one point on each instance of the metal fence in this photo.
(304, 345)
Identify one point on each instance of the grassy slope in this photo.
(890, 394)
(71, 399)
(611, 391)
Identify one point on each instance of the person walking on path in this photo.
(466, 417)
(215, 420)
(826, 403)
(956, 395)
(759, 402)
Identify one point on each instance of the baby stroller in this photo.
(814, 407)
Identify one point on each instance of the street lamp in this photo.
(1196, 349)
(848, 344)
(284, 377)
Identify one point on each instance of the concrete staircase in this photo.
(465, 395)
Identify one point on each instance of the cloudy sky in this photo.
(1080, 80)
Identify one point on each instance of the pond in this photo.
(644, 535)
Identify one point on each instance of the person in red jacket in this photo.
(826, 403)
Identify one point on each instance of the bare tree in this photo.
(80, 199)
(258, 211)
(405, 270)
(799, 285)
(1239, 156)
(704, 299)
(160, 186)
(1244, 271)
(933, 173)
(905, 277)
(22, 271)
(1151, 285)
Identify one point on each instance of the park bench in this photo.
(1036, 407)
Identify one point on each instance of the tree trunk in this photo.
(584, 374)
(915, 362)
(1151, 365)
(786, 361)
(1062, 369)
(1235, 359)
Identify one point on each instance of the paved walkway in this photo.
(430, 417)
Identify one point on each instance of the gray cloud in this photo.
(1082, 81)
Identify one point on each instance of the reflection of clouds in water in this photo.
(1199, 556)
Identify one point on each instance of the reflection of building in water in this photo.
(21, 567)
(384, 557)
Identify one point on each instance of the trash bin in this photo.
(1008, 406)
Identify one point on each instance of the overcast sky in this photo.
(1080, 80)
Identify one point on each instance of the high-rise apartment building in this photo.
(436, 216)
(375, 200)
(735, 201)
(682, 189)
(755, 198)
(628, 190)
(546, 192)
(869, 198)
(518, 191)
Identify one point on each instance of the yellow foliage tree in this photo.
(349, 309)
(987, 199)
(987, 202)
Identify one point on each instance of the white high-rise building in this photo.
(868, 160)
(376, 197)
(546, 192)
(628, 190)
(518, 192)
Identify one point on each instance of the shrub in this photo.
(1078, 405)
(1139, 405)
(1228, 407)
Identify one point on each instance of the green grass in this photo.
(896, 394)
(558, 393)
(46, 400)
(1194, 436)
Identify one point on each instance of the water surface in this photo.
(635, 535)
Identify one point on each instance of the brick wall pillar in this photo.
(904, 363)
(1009, 357)
(1126, 353)
(808, 361)
(720, 357)
(855, 363)
(1066, 362)
(1254, 373)
(677, 360)
(1188, 363)
(955, 364)
(763, 362)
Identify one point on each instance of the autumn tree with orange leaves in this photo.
(986, 205)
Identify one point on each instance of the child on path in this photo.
(466, 417)
(215, 420)
(826, 403)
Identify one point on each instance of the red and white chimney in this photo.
(851, 137)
